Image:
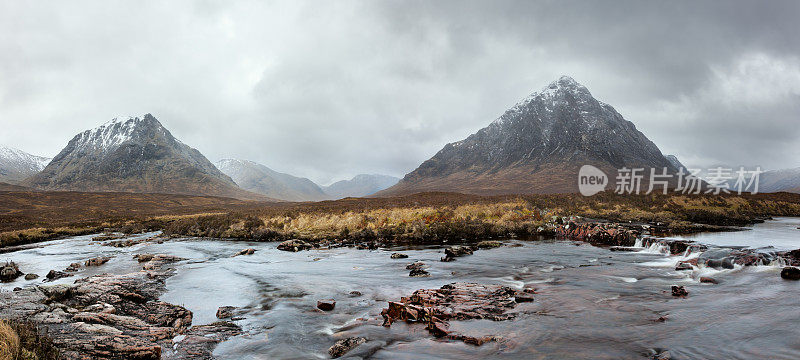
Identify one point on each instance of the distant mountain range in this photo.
(538, 146)
(134, 154)
(255, 177)
(787, 180)
(17, 165)
(360, 185)
(260, 179)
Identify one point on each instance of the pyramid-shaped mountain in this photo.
(538, 146)
(134, 154)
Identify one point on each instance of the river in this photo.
(591, 303)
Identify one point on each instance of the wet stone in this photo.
(708, 280)
(343, 346)
(679, 291)
(294, 245)
(9, 272)
(790, 273)
(326, 304)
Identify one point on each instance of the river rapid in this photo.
(591, 303)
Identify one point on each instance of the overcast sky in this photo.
(330, 89)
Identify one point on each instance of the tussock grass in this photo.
(22, 341)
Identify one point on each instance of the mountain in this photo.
(360, 185)
(134, 154)
(780, 180)
(17, 165)
(675, 162)
(260, 179)
(538, 146)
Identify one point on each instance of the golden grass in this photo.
(9, 342)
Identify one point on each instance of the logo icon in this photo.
(591, 180)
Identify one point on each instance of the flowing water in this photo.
(591, 303)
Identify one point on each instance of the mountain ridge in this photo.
(255, 177)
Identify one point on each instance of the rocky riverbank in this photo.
(116, 316)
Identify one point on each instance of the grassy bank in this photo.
(22, 341)
(475, 218)
(426, 217)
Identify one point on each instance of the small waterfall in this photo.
(638, 243)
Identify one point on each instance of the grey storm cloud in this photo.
(329, 89)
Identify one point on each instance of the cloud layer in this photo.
(331, 89)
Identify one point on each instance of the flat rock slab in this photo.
(456, 301)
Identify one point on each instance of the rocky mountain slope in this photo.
(134, 154)
(17, 165)
(260, 179)
(787, 180)
(537, 146)
(360, 185)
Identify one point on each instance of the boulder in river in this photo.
(249, 251)
(415, 265)
(9, 272)
(708, 280)
(679, 291)
(326, 304)
(683, 266)
(790, 273)
(97, 261)
(199, 341)
(488, 244)
(294, 245)
(31, 276)
(342, 346)
(456, 301)
(452, 252)
(225, 312)
(55, 275)
(399, 256)
(420, 272)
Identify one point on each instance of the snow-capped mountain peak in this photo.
(110, 135)
(16, 164)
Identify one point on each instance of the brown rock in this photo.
(456, 301)
(708, 280)
(96, 261)
(9, 272)
(224, 312)
(294, 245)
(399, 256)
(326, 304)
(679, 291)
(200, 341)
(55, 275)
(523, 297)
(790, 273)
(343, 346)
(31, 276)
(418, 273)
(249, 251)
(415, 265)
(488, 244)
(438, 328)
